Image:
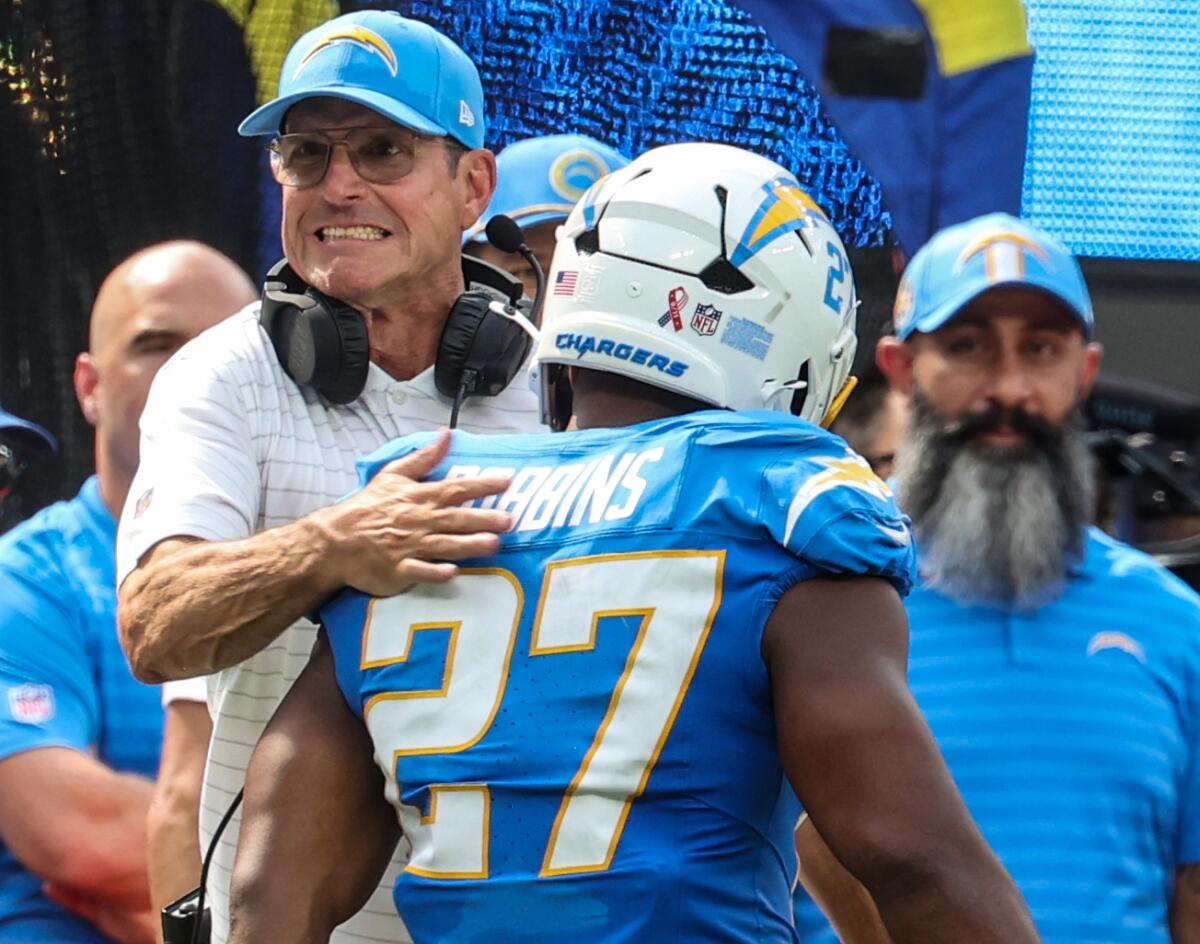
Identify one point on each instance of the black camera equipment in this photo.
(1147, 441)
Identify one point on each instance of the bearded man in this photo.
(1058, 668)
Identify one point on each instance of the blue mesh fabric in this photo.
(637, 74)
(1114, 133)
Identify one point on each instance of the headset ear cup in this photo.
(481, 344)
(458, 341)
(349, 374)
(320, 342)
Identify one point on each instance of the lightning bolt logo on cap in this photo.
(359, 36)
(574, 171)
(1003, 256)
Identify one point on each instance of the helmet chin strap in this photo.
(839, 401)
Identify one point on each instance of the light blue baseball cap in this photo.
(10, 422)
(541, 179)
(997, 250)
(404, 69)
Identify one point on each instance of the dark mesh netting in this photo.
(116, 121)
(633, 73)
(637, 74)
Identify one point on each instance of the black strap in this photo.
(208, 857)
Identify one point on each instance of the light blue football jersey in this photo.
(578, 732)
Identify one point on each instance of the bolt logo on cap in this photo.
(785, 208)
(365, 39)
(574, 171)
(1003, 256)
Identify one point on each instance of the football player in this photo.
(606, 730)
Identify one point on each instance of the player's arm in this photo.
(317, 833)
(838, 893)
(172, 826)
(194, 607)
(865, 766)
(1185, 906)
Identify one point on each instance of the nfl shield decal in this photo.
(31, 704)
(706, 319)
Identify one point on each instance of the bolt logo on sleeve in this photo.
(841, 472)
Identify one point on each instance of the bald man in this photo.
(79, 737)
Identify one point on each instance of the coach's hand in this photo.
(193, 607)
(399, 530)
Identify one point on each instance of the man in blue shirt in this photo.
(79, 738)
(600, 731)
(1057, 667)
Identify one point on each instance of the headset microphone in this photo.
(504, 233)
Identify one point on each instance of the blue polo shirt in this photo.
(1072, 732)
(64, 681)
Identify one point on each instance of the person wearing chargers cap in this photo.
(231, 535)
(1057, 667)
(538, 182)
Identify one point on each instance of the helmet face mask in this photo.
(705, 270)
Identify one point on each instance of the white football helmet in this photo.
(705, 270)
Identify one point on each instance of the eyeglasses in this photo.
(379, 155)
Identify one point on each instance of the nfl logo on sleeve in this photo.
(31, 704)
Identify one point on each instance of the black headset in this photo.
(322, 342)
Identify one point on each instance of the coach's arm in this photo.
(869, 773)
(194, 607)
(317, 833)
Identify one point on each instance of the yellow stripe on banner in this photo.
(271, 26)
(971, 34)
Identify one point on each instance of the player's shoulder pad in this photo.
(823, 503)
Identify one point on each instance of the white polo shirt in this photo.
(231, 446)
